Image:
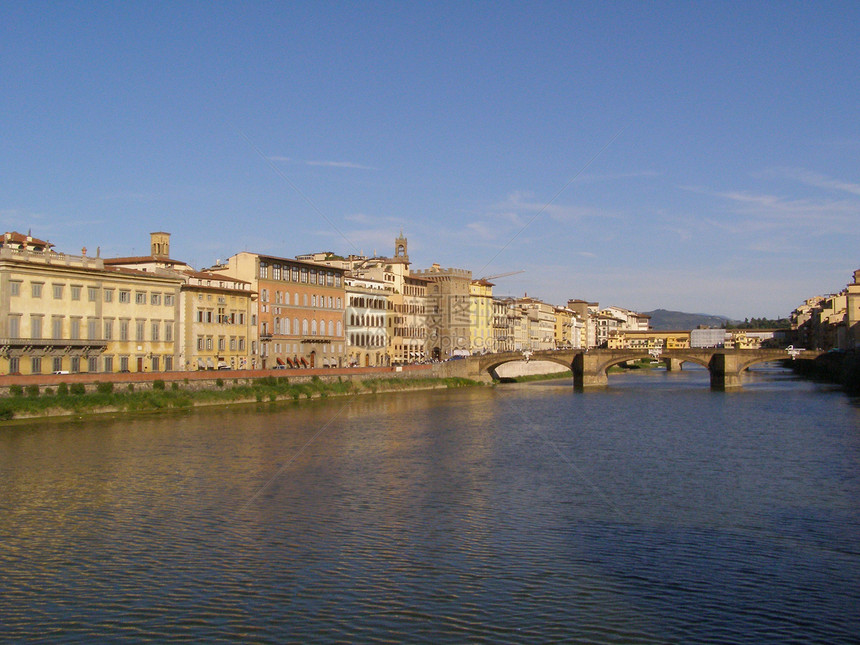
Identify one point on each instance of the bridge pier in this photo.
(587, 371)
(725, 371)
(672, 364)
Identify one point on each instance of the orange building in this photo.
(300, 310)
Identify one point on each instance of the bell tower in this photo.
(400, 246)
(160, 243)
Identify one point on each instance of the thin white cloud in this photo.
(325, 164)
(822, 181)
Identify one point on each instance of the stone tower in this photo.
(400, 248)
(160, 243)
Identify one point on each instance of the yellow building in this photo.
(217, 313)
(651, 339)
(72, 313)
(563, 328)
(481, 332)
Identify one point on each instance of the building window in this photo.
(57, 364)
(168, 363)
(264, 270)
(313, 277)
(108, 330)
(57, 328)
(221, 344)
(155, 327)
(155, 363)
(76, 364)
(232, 343)
(36, 327)
(168, 331)
(313, 328)
(108, 364)
(124, 296)
(15, 288)
(242, 344)
(14, 326)
(108, 295)
(276, 272)
(209, 343)
(155, 298)
(123, 330)
(123, 363)
(58, 292)
(305, 326)
(76, 292)
(36, 365)
(139, 297)
(168, 299)
(304, 275)
(92, 329)
(36, 289)
(93, 365)
(140, 329)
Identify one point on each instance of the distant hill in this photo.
(663, 319)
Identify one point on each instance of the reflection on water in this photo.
(652, 511)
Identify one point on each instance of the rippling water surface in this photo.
(654, 511)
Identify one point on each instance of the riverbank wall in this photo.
(214, 380)
(835, 367)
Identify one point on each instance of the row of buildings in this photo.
(61, 312)
(831, 321)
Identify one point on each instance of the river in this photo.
(652, 511)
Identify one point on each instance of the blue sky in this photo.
(702, 157)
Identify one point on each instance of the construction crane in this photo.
(501, 275)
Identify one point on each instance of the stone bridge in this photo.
(589, 367)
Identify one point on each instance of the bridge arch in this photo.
(488, 363)
(622, 356)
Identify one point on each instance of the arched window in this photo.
(339, 328)
(313, 328)
(331, 328)
(305, 326)
(295, 325)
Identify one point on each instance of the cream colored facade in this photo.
(218, 321)
(72, 313)
(367, 322)
(408, 303)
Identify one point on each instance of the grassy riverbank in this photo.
(65, 400)
(567, 374)
(641, 364)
